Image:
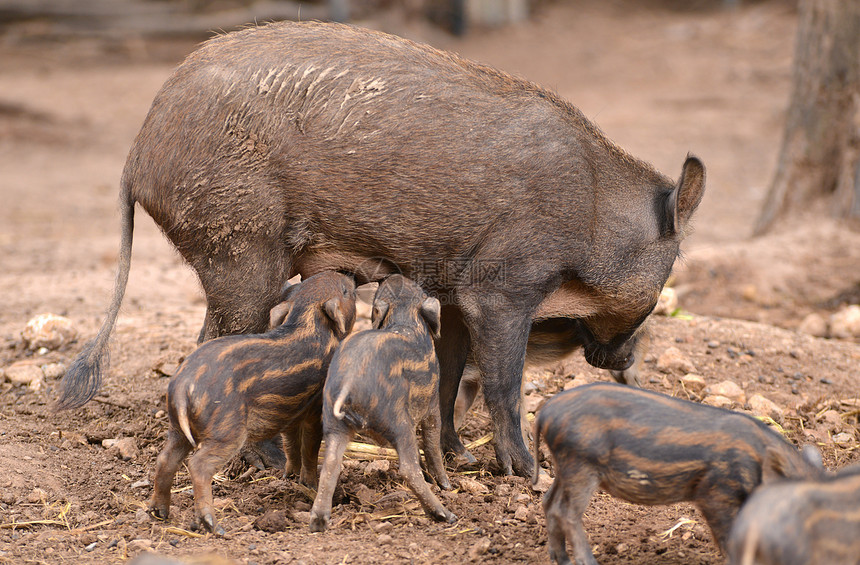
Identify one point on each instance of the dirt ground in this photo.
(660, 83)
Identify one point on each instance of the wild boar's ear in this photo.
(380, 309)
(278, 314)
(687, 194)
(431, 312)
(333, 311)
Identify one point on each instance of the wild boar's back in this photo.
(324, 136)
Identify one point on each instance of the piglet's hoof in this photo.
(159, 513)
(456, 460)
(207, 522)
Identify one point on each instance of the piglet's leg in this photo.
(211, 456)
(175, 450)
(553, 501)
(312, 434)
(335, 445)
(576, 483)
(431, 435)
(410, 468)
(719, 509)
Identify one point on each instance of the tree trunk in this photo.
(820, 156)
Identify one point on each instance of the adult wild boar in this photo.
(300, 147)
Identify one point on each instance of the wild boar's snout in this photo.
(617, 355)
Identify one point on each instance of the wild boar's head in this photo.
(631, 263)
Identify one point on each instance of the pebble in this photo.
(504, 489)
(544, 482)
(37, 495)
(479, 548)
(718, 401)
(521, 513)
(141, 483)
(531, 402)
(91, 546)
(472, 486)
(846, 322)
(762, 406)
(813, 325)
(673, 360)
(728, 389)
(384, 539)
(141, 516)
(693, 382)
(48, 331)
(378, 466)
(53, 370)
(24, 373)
(667, 303)
(124, 448)
(843, 438)
(831, 420)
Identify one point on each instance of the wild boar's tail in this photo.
(84, 376)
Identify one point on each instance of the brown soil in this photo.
(660, 83)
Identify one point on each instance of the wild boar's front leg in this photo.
(500, 337)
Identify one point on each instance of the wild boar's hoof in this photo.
(318, 523)
(160, 513)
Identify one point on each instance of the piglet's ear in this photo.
(431, 312)
(333, 311)
(278, 314)
(377, 316)
(684, 200)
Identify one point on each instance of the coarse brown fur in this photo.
(804, 522)
(386, 381)
(649, 448)
(301, 147)
(238, 389)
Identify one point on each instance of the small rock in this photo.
(818, 436)
(141, 483)
(366, 496)
(521, 513)
(140, 544)
(272, 521)
(124, 448)
(621, 548)
(543, 483)
(384, 539)
(504, 489)
(729, 389)
(49, 331)
(91, 546)
(36, 496)
(53, 370)
(846, 322)
(693, 383)
(762, 406)
(24, 373)
(831, 420)
(377, 466)
(141, 516)
(673, 360)
(843, 438)
(718, 401)
(479, 548)
(813, 325)
(578, 380)
(382, 527)
(667, 303)
(472, 486)
(302, 517)
(531, 402)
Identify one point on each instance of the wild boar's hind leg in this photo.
(452, 350)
